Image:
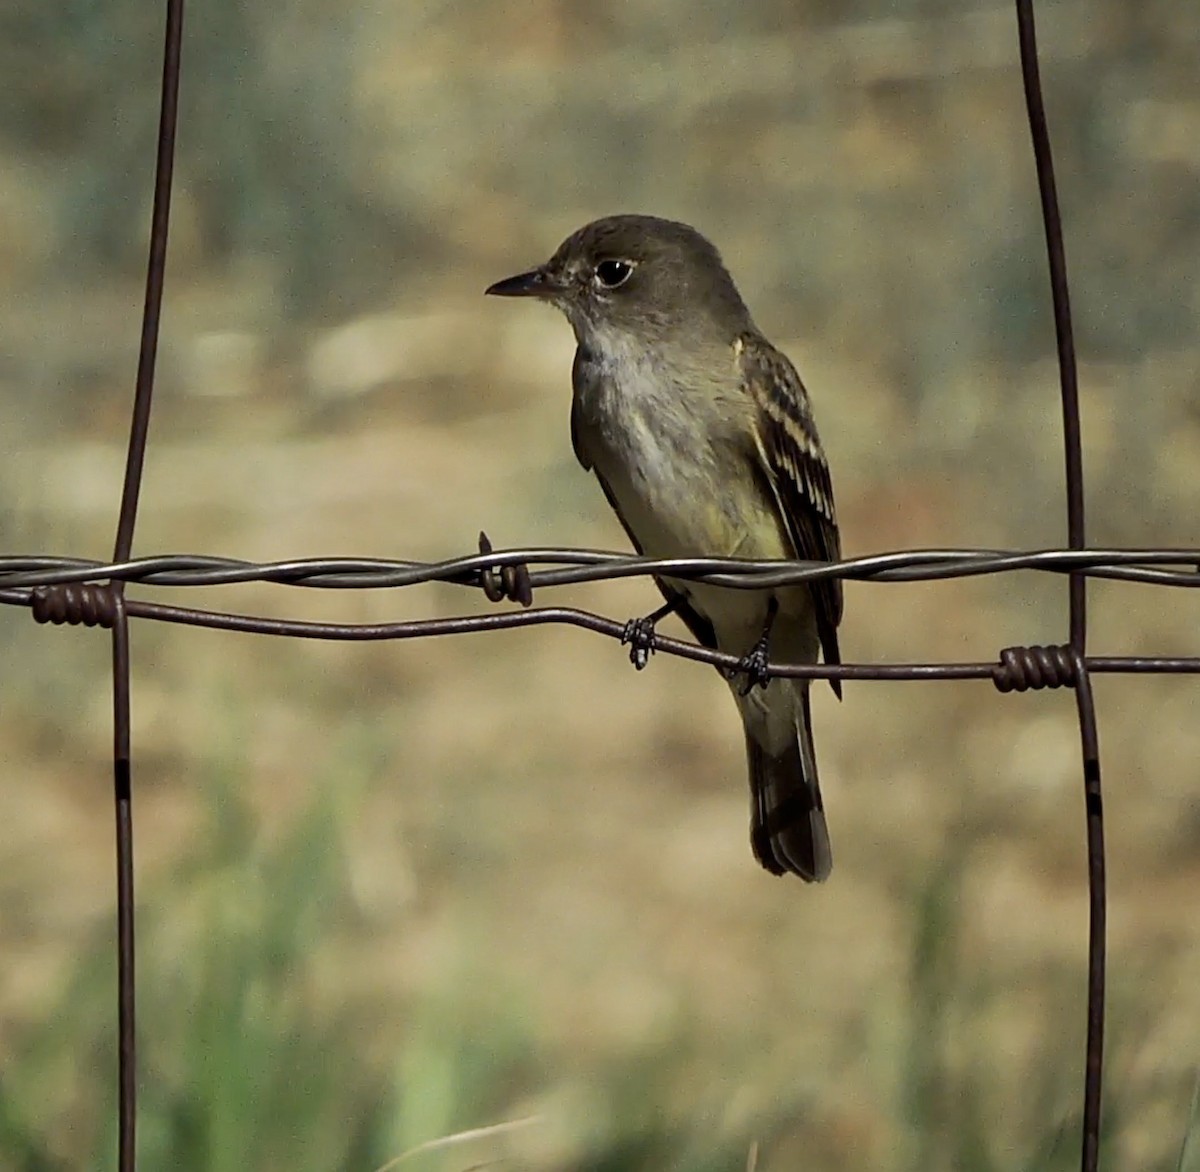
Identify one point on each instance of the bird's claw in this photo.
(639, 634)
(754, 667)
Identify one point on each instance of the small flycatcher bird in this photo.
(702, 437)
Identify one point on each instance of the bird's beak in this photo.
(535, 283)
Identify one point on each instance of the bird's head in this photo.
(635, 275)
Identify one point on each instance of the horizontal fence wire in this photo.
(1161, 567)
(93, 593)
(73, 590)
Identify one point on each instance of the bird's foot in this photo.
(639, 635)
(754, 666)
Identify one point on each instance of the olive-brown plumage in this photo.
(701, 435)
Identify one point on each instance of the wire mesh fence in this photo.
(93, 593)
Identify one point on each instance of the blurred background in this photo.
(390, 893)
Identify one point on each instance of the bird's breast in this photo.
(682, 484)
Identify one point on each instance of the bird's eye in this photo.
(611, 273)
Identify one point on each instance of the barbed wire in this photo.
(74, 590)
(93, 593)
(578, 566)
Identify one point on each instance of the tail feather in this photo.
(788, 832)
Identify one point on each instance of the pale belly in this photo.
(668, 501)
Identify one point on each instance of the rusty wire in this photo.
(139, 428)
(92, 593)
(1073, 453)
(72, 590)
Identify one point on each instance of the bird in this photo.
(702, 437)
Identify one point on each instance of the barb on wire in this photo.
(508, 580)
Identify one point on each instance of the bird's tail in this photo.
(787, 819)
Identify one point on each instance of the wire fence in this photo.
(93, 593)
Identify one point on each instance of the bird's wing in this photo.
(581, 452)
(791, 458)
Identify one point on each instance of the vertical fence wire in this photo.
(127, 519)
(1076, 539)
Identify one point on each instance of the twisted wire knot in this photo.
(1024, 669)
(87, 604)
(501, 582)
